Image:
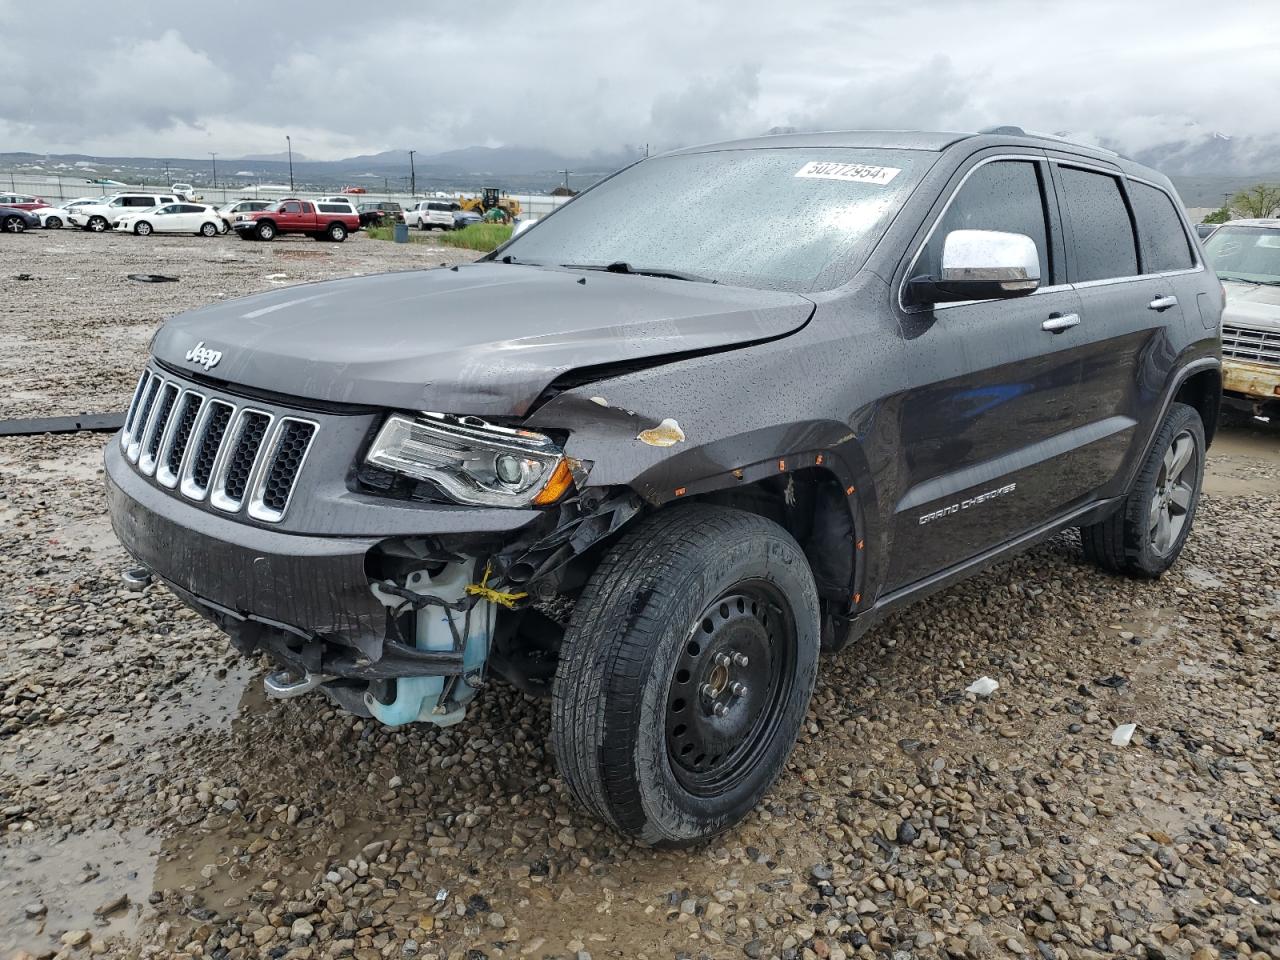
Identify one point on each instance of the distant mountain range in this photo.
(1204, 165)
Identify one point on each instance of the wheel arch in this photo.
(1202, 391)
(821, 491)
(1200, 382)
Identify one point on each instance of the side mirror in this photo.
(981, 265)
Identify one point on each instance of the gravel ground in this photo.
(154, 805)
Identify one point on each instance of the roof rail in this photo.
(1008, 130)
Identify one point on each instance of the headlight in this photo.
(473, 461)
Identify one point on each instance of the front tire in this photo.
(53, 223)
(1146, 534)
(142, 228)
(209, 229)
(96, 224)
(266, 231)
(685, 673)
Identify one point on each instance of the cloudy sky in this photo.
(136, 77)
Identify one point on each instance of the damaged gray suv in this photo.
(723, 410)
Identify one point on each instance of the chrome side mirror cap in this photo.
(981, 265)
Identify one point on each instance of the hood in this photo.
(1251, 304)
(481, 339)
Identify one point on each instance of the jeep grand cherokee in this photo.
(730, 406)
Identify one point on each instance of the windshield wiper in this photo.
(621, 266)
(1261, 283)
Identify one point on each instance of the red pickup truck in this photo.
(321, 220)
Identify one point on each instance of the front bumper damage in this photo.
(342, 608)
(385, 624)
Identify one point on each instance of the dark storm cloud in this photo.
(135, 77)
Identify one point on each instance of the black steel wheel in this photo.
(1146, 534)
(727, 693)
(685, 673)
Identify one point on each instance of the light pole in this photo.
(413, 182)
(566, 177)
(289, 143)
(214, 157)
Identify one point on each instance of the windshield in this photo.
(785, 218)
(1251, 254)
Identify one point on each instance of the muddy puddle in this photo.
(1244, 460)
(52, 882)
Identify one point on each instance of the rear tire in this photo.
(336, 232)
(1146, 534)
(685, 673)
(13, 224)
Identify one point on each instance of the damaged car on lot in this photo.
(726, 409)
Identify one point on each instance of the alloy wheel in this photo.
(1174, 493)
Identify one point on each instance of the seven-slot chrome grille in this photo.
(227, 452)
(1254, 346)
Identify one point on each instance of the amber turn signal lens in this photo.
(561, 480)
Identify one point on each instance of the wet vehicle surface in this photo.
(140, 757)
(645, 462)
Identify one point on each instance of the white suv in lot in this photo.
(99, 216)
(431, 214)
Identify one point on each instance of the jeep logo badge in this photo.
(203, 356)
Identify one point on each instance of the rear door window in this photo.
(1004, 195)
(1165, 245)
(1101, 230)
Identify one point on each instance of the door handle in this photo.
(1058, 322)
(1162, 303)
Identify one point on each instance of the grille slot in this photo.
(132, 414)
(184, 420)
(155, 430)
(1254, 346)
(144, 414)
(275, 487)
(213, 427)
(207, 446)
(240, 453)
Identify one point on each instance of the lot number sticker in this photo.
(850, 172)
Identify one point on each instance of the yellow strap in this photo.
(486, 592)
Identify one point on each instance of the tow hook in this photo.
(282, 684)
(136, 578)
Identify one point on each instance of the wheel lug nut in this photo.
(707, 691)
(722, 660)
(720, 709)
(739, 689)
(740, 659)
